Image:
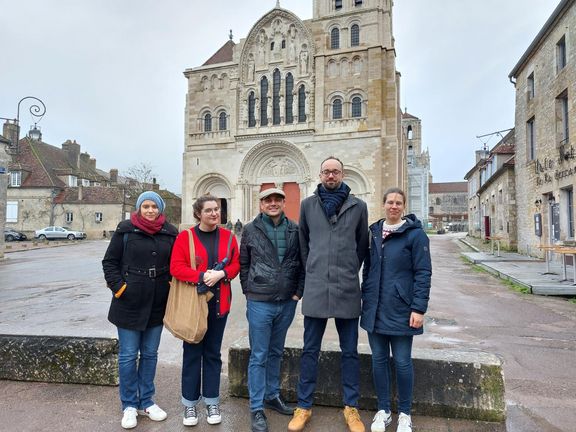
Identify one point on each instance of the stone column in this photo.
(3, 192)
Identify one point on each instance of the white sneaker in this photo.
(381, 420)
(213, 414)
(129, 419)
(154, 412)
(190, 416)
(404, 423)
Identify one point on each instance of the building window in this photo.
(11, 211)
(276, 97)
(356, 106)
(264, 101)
(530, 86)
(335, 38)
(72, 181)
(69, 217)
(562, 118)
(357, 2)
(337, 4)
(561, 54)
(438, 202)
(337, 109)
(222, 121)
(16, 178)
(531, 139)
(208, 122)
(98, 217)
(272, 46)
(301, 104)
(251, 106)
(289, 98)
(283, 43)
(85, 182)
(355, 35)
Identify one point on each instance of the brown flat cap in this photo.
(271, 191)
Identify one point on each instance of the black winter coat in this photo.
(130, 260)
(396, 279)
(262, 276)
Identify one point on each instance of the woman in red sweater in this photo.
(201, 363)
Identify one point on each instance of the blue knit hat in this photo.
(152, 196)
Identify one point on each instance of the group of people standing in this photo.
(279, 263)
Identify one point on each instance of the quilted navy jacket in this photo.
(396, 278)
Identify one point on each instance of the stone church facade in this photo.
(267, 111)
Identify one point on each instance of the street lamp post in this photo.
(37, 110)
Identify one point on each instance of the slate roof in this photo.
(449, 187)
(223, 55)
(42, 164)
(90, 195)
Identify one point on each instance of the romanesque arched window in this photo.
(337, 109)
(276, 97)
(301, 104)
(251, 106)
(356, 106)
(207, 122)
(335, 38)
(264, 101)
(222, 121)
(355, 35)
(289, 98)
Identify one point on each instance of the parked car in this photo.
(56, 232)
(11, 235)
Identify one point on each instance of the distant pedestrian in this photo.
(395, 292)
(229, 225)
(333, 243)
(136, 268)
(217, 263)
(238, 228)
(272, 279)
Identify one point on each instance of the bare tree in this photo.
(139, 177)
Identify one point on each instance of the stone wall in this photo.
(457, 384)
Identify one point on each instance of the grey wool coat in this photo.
(332, 253)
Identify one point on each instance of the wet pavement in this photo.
(61, 291)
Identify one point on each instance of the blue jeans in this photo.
(268, 324)
(402, 354)
(137, 373)
(349, 364)
(202, 364)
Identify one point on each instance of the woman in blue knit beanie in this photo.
(137, 271)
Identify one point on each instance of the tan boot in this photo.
(299, 420)
(353, 420)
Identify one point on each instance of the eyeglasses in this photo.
(334, 172)
(211, 210)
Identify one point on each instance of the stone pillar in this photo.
(3, 192)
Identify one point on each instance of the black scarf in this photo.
(332, 200)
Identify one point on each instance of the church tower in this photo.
(265, 112)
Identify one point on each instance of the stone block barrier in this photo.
(447, 383)
(59, 359)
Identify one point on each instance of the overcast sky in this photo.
(110, 71)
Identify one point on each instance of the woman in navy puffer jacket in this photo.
(395, 293)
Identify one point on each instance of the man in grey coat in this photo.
(333, 244)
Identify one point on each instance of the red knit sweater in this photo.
(180, 264)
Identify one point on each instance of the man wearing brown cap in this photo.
(272, 279)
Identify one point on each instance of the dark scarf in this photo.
(332, 200)
(150, 227)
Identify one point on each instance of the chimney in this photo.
(72, 150)
(113, 175)
(11, 131)
(93, 164)
(155, 186)
(85, 158)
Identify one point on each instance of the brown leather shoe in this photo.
(299, 420)
(353, 420)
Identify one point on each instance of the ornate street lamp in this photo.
(37, 110)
